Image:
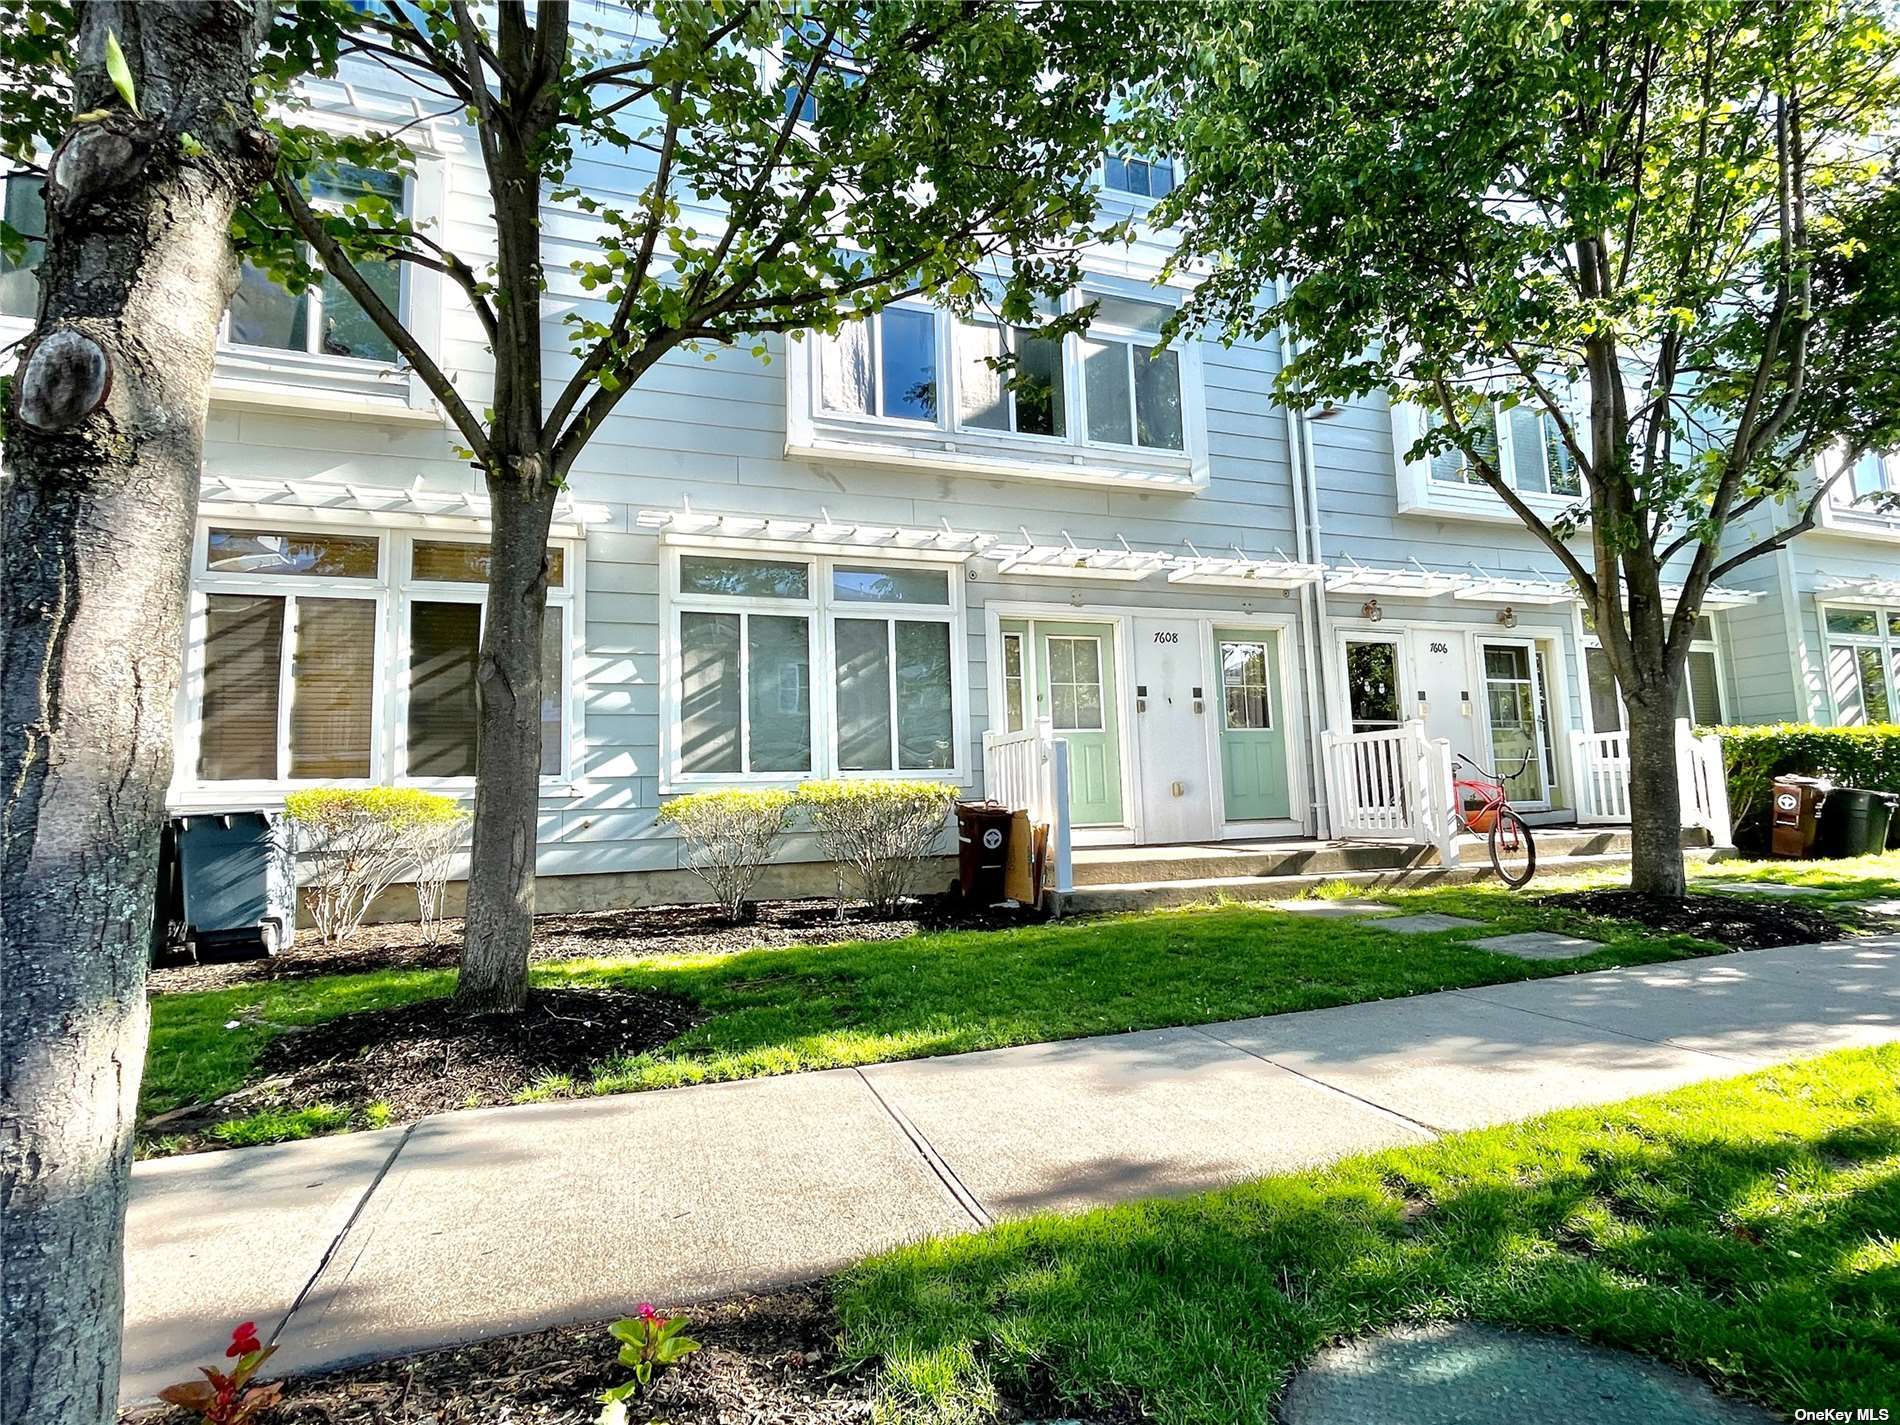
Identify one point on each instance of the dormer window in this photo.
(1141, 177)
(1522, 442)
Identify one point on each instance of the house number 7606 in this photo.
(1165, 637)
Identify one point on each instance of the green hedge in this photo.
(1848, 756)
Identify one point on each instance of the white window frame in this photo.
(1885, 639)
(393, 591)
(1543, 728)
(1848, 510)
(1023, 679)
(1144, 200)
(1101, 692)
(821, 608)
(1221, 645)
(815, 432)
(1419, 492)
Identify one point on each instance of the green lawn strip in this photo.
(1743, 1230)
(810, 1007)
(1850, 878)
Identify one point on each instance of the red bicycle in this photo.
(1479, 805)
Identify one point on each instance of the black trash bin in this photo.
(1856, 821)
(982, 850)
(228, 881)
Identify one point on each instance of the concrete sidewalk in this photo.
(499, 1220)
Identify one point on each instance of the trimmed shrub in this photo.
(729, 837)
(880, 832)
(436, 843)
(1848, 756)
(359, 841)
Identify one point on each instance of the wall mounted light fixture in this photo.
(1508, 616)
(1370, 610)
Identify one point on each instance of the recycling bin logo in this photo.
(1787, 801)
(993, 839)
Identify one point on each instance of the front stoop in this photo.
(1147, 877)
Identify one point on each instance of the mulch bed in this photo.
(763, 1360)
(1740, 924)
(425, 1058)
(607, 934)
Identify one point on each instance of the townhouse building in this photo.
(858, 555)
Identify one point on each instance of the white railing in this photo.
(1601, 763)
(1028, 771)
(1392, 785)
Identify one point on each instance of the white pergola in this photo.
(1240, 571)
(1884, 589)
(1069, 560)
(335, 502)
(823, 535)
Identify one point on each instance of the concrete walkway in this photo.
(500, 1220)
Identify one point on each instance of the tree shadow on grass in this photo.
(1741, 1231)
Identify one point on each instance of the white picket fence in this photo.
(1600, 763)
(1391, 785)
(1029, 771)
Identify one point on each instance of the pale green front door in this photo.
(1252, 726)
(1076, 691)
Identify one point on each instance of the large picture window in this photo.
(1862, 645)
(748, 633)
(1700, 700)
(321, 656)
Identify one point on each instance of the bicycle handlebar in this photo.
(1523, 763)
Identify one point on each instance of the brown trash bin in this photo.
(982, 850)
(1019, 883)
(1795, 812)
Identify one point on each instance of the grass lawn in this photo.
(781, 1010)
(1744, 1230)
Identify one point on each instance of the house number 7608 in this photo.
(1165, 637)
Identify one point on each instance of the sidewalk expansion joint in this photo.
(932, 1158)
(1592, 1025)
(329, 1252)
(1428, 1129)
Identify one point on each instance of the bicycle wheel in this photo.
(1513, 853)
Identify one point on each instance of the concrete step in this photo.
(1119, 865)
(1100, 899)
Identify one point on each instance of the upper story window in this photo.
(912, 367)
(1872, 475)
(349, 655)
(1141, 177)
(325, 320)
(1525, 446)
(25, 214)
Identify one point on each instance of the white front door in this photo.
(1172, 706)
(1444, 698)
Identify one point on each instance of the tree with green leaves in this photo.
(799, 166)
(141, 119)
(1665, 229)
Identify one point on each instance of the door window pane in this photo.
(25, 214)
(924, 735)
(709, 692)
(744, 578)
(335, 556)
(1105, 389)
(1244, 683)
(845, 369)
(1158, 398)
(779, 677)
(1511, 701)
(865, 585)
(908, 361)
(444, 648)
(244, 639)
(450, 561)
(1372, 685)
(333, 679)
(862, 648)
(1075, 683)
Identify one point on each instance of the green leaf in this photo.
(121, 73)
(628, 1330)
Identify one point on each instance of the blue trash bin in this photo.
(236, 880)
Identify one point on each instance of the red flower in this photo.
(244, 1340)
(648, 1314)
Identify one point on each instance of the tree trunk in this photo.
(500, 924)
(104, 444)
(1655, 799)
